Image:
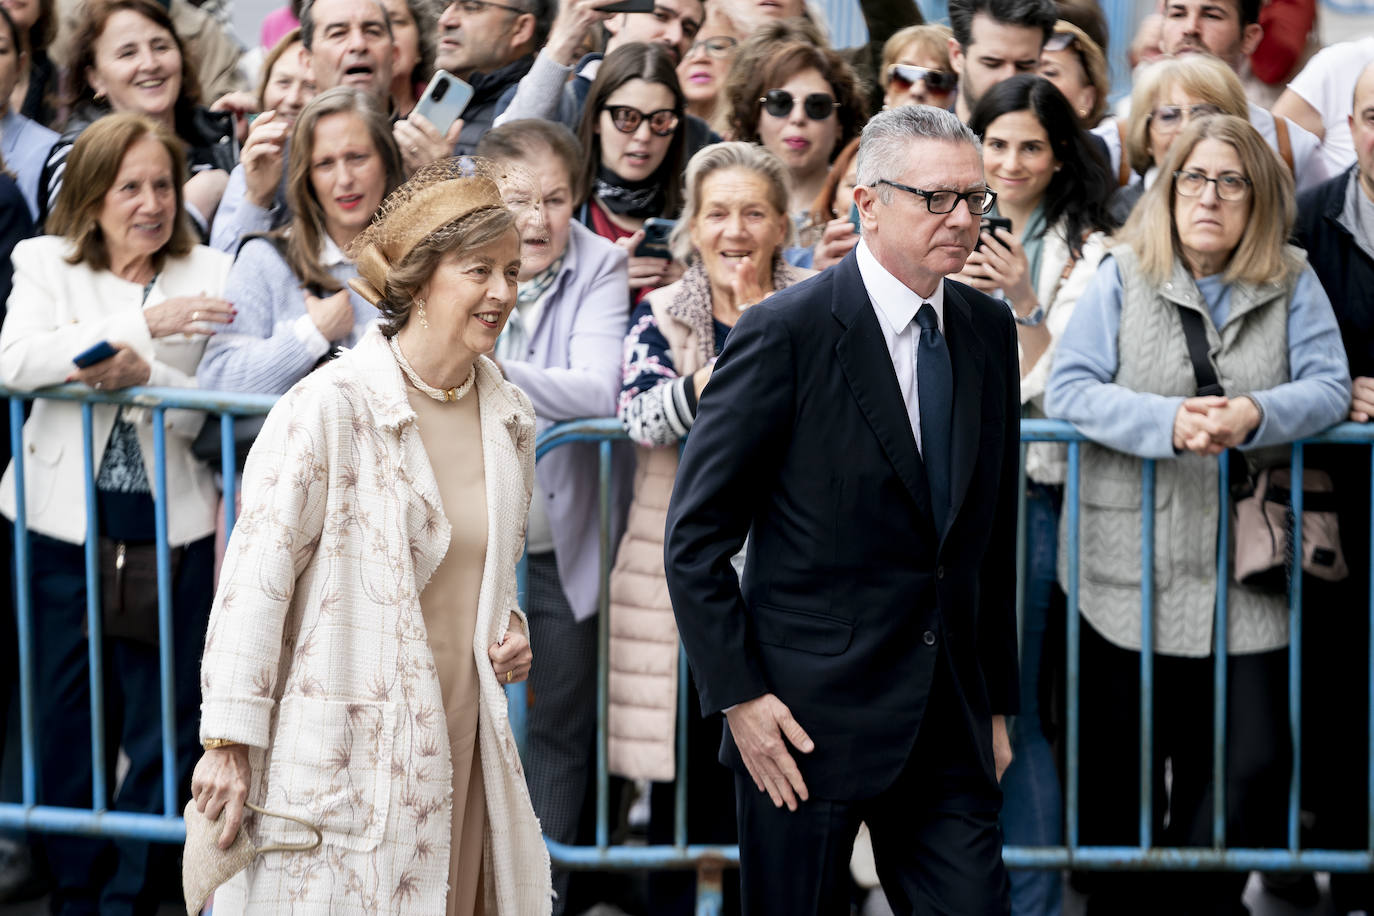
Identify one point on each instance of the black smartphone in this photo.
(628, 6)
(991, 223)
(96, 354)
(655, 242)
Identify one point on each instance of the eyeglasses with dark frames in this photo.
(1173, 117)
(473, 7)
(717, 47)
(1230, 186)
(941, 202)
(627, 119)
(904, 76)
(818, 105)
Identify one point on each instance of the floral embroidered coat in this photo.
(317, 656)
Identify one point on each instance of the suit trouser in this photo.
(936, 839)
(1258, 763)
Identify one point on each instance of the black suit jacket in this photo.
(802, 441)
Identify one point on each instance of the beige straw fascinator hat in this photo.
(430, 203)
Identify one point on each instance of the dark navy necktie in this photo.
(935, 394)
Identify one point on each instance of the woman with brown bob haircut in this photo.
(803, 103)
(123, 270)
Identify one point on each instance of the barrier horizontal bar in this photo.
(48, 819)
(1133, 858)
(631, 858)
(185, 398)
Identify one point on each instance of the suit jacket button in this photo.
(939, 572)
(928, 638)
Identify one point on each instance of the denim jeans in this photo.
(1032, 803)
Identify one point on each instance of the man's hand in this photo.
(1362, 399)
(1001, 745)
(263, 160)
(421, 143)
(759, 727)
(570, 27)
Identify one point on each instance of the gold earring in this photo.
(424, 320)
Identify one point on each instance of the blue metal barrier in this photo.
(708, 861)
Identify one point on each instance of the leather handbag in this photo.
(128, 588)
(1262, 505)
(204, 866)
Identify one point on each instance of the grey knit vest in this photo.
(1250, 353)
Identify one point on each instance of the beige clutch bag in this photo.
(205, 866)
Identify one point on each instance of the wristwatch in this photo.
(211, 744)
(1033, 320)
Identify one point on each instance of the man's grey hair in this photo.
(884, 148)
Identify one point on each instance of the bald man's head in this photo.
(1362, 128)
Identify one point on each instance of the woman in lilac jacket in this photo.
(562, 346)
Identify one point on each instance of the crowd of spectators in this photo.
(196, 206)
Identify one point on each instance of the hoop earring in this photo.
(424, 320)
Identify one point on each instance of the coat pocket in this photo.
(1110, 537)
(330, 763)
(806, 631)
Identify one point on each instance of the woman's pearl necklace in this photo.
(438, 394)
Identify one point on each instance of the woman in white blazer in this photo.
(1054, 187)
(122, 269)
(366, 618)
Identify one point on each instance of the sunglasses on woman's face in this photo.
(818, 105)
(662, 123)
(904, 76)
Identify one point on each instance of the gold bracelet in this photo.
(211, 744)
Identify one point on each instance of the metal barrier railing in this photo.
(708, 861)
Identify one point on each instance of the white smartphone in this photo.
(443, 100)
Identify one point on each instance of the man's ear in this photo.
(865, 198)
(1250, 38)
(615, 24)
(523, 33)
(956, 57)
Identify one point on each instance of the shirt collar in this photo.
(330, 255)
(893, 300)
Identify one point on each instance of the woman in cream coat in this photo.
(366, 618)
(122, 269)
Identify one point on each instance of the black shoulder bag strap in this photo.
(1195, 333)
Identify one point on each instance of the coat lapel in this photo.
(867, 367)
(966, 354)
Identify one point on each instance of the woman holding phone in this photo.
(633, 131)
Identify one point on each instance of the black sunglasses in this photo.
(906, 75)
(662, 123)
(818, 105)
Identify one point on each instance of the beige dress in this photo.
(452, 436)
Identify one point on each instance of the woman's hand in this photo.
(647, 272)
(1192, 432)
(263, 159)
(188, 315)
(1004, 263)
(421, 143)
(746, 286)
(838, 240)
(975, 273)
(204, 190)
(1230, 424)
(1362, 399)
(332, 315)
(241, 104)
(511, 657)
(123, 370)
(220, 784)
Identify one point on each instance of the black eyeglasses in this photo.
(904, 76)
(662, 123)
(1172, 117)
(717, 47)
(942, 202)
(818, 105)
(1230, 186)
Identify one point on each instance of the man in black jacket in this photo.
(1336, 225)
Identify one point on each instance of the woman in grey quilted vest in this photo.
(1208, 238)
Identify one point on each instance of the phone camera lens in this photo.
(440, 89)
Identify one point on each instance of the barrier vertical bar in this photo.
(1071, 661)
(164, 615)
(1147, 649)
(24, 611)
(517, 695)
(95, 639)
(228, 472)
(1221, 633)
(603, 628)
(1295, 646)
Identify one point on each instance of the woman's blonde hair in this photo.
(92, 168)
(1261, 255)
(932, 40)
(1094, 67)
(718, 157)
(1201, 76)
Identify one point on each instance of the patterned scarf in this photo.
(692, 304)
(630, 198)
(514, 342)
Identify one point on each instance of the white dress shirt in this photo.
(896, 306)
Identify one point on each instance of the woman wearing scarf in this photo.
(633, 133)
(1053, 187)
(731, 236)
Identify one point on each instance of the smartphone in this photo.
(96, 354)
(443, 100)
(991, 223)
(628, 6)
(655, 243)
(854, 218)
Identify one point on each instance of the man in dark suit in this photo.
(862, 427)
